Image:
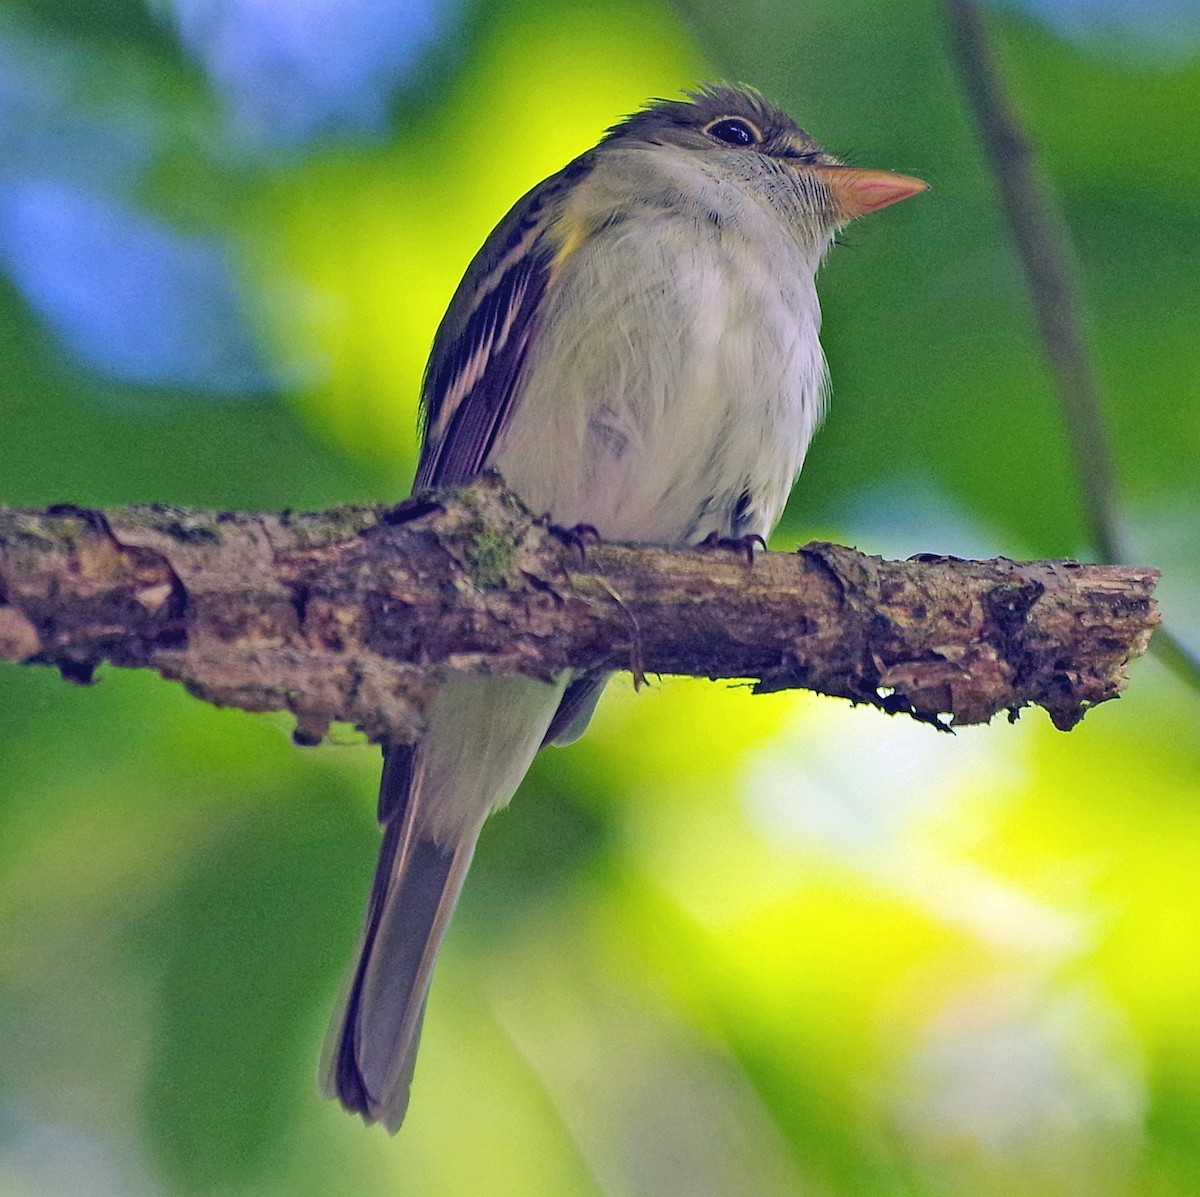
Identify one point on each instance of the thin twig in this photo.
(1044, 248)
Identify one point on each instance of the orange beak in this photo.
(856, 192)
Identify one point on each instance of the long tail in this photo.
(433, 800)
(416, 886)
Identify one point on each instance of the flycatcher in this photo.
(634, 348)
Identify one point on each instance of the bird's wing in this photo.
(474, 371)
(576, 708)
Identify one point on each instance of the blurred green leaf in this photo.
(129, 21)
(725, 944)
(248, 943)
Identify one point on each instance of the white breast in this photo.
(676, 376)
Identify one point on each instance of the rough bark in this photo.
(351, 614)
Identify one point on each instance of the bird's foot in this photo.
(576, 537)
(735, 544)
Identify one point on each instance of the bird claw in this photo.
(576, 537)
(735, 544)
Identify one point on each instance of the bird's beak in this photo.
(856, 192)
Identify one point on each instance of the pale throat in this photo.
(761, 202)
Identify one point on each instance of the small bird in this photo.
(635, 349)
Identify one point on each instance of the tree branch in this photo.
(352, 614)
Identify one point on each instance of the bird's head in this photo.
(744, 136)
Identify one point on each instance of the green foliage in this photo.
(724, 945)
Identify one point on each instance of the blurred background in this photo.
(725, 945)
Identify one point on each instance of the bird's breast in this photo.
(674, 379)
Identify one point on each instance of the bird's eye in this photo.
(734, 131)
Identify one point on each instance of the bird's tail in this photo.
(483, 733)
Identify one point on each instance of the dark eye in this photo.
(733, 131)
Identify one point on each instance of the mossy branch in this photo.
(352, 614)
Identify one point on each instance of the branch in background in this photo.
(350, 614)
(1043, 246)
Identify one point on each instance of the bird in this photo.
(635, 349)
